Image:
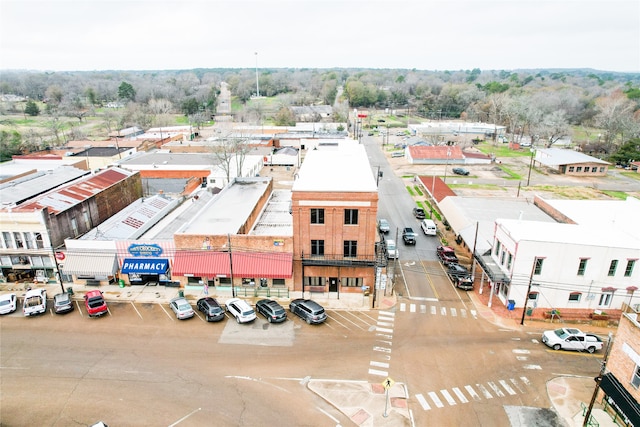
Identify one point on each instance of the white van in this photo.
(392, 250)
(429, 227)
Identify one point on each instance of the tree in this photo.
(10, 142)
(628, 152)
(190, 106)
(284, 117)
(31, 108)
(91, 96)
(126, 92)
(228, 149)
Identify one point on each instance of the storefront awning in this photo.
(201, 264)
(620, 398)
(145, 265)
(492, 269)
(263, 264)
(96, 264)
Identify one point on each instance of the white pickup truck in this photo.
(572, 339)
(35, 302)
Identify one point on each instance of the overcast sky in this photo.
(423, 34)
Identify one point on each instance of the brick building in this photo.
(334, 205)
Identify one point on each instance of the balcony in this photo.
(339, 261)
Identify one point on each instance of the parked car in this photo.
(429, 227)
(460, 171)
(383, 226)
(241, 310)
(408, 236)
(62, 303)
(35, 302)
(419, 213)
(211, 309)
(460, 277)
(95, 304)
(308, 310)
(391, 249)
(181, 308)
(271, 310)
(8, 303)
(572, 339)
(397, 154)
(447, 255)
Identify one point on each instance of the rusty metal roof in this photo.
(65, 197)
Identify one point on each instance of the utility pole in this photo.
(598, 379)
(526, 297)
(257, 84)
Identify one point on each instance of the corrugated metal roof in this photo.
(27, 187)
(64, 198)
(436, 152)
(559, 156)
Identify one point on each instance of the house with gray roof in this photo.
(570, 162)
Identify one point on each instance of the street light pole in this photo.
(257, 84)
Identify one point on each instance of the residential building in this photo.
(570, 162)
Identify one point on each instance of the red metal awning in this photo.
(274, 265)
(202, 264)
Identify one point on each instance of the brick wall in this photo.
(620, 363)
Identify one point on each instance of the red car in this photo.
(447, 255)
(95, 303)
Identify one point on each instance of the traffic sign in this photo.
(388, 383)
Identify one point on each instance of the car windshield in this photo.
(391, 246)
(95, 302)
(5, 302)
(278, 311)
(184, 307)
(247, 313)
(561, 333)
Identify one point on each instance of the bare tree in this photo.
(230, 151)
(615, 116)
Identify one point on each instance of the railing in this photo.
(592, 421)
(251, 292)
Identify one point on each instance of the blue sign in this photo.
(145, 250)
(145, 265)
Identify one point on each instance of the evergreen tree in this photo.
(31, 108)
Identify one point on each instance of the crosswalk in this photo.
(473, 393)
(379, 365)
(435, 310)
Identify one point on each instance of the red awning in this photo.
(274, 265)
(202, 263)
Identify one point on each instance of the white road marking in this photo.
(384, 330)
(386, 313)
(520, 351)
(474, 313)
(535, 341)
(484, 391)
(335, 320)
(385, 336)
(382, 349)
(423, 402)
(522, 358)
(525, 380)
(463, 312)
(515, 384)
(378, 372)
(350, 321)
(472, 393)
(460, 395)
(334, 419)
(389, 343)
(385, 324)
(532, 367)
(134, 307)
(379, 364)
(506, 386)
(495, 389)
(450, 400)
(167, 313)
(436, 399)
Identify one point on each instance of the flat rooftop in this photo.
(276, 219)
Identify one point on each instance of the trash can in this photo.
(70, 290)
(181, 294)
(511, 305)
(529, 311)
(121, 283)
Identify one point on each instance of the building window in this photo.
(612, 267)
(605, 299)
(317, 216)
(571, 168)
(509, 260)
(533, 296)
(628, 271)
(594, 169)
(497, 247)
(87, 220)
(18, 239)
(317, 247)
(350, 248)
(277, 282)
(28, 238)
(635, 381)
(350, 217)
(352, 282)
(586, 169)
(502, 257)
(601, 169)
(579, 169)
(314, 281)
(582, 266)
(538, 266)
(74, 226)
(575, 297)
(39, 243)
(224, 281)
(6, 238)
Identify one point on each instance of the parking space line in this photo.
(167, 313)
(354, 324)
(196, 314)
(334, 319)
(134, 307)
(79, 311)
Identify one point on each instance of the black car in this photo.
(460, 171)
(212, 311)
(308, 310)
(408, 236)
(419, 213)
(271, 310)
(460, 277)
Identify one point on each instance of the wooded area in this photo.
(599, 111)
